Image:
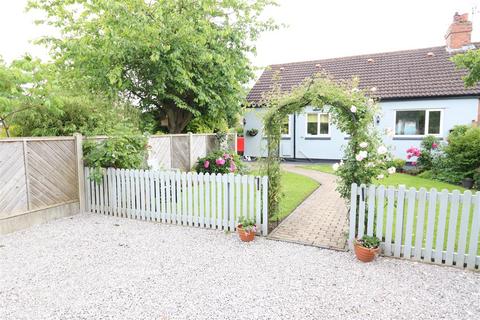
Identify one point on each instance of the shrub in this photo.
(443, 170)
(463, 150)
(123, 149)
(476, 178)
(220, 162)
(398, 164)
(428, 174)
(429, 145)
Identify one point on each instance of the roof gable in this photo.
(419, 73)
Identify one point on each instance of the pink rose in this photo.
(434, 145)
(206, 164)
(220, 161)
(233, 167)
(226, 156)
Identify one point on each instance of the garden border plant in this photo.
(352, 111)
(124, 148)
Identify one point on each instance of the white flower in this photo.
(373, 89)
(363, 144)
(353, 109)
(335, 166)
(391, 170)
(358, 157)
(380, 176)
(382, 150)
(363, 153)
(371, 164)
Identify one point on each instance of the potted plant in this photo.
(366, 248)
(467, 183)
(252, 132)
(246, 229)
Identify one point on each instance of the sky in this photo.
(315, 29)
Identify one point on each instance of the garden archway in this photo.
(351, 110)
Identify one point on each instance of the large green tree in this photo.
(469, 60)
(20, 90)
(181, 59)
(38, 100)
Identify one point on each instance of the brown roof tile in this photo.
(395, 75)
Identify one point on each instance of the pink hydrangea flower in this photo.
(206, 164)
(413, 152)
(220, 161)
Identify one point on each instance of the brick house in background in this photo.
(420, 93)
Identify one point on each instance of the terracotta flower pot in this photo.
(245, 236)
(365, 254)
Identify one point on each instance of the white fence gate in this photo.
(200, 200)
(430, 226)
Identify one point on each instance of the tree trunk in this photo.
(5, 127)
(177, 119)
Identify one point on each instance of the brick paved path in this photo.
(320, 220)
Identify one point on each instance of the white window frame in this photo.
(427, 118)
(289, 135)
(323, 135)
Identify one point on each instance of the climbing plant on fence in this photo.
(351, 110)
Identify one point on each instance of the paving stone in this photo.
(321, 219)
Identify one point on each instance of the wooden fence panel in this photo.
(160, 152)
(181, 153)
(13, 183)
(52, 172)
(425, 226)
(200, 200)
(199, 147)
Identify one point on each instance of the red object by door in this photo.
(240, 144)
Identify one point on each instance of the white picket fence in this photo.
(430, 226)
(200, 200)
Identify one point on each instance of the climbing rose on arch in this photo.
(350, 110)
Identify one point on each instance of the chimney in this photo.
(459, 33)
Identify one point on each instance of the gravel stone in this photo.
(87, 267)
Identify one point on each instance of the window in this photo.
(286, 127)
(418, 122)
(318, 124)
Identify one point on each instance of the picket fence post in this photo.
(444, 216)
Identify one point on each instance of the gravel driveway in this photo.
(96, 267)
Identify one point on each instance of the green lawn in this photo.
(416, 182)
(322, 167)
(396, 179)
(296, 188)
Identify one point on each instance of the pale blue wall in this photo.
(254, 146)
(455, 111)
